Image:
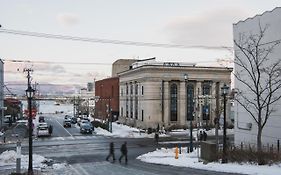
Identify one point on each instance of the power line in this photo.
(75, 63)
(110, 41)
(54, 62)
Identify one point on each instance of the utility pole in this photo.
(29, 94)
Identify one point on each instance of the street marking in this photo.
(74, 169)
(64, 128)
(82, 169)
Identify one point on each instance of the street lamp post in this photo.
(29, 94)
(224, 93)
(191, 138)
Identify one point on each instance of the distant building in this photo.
(245, 126)
(153, 93)
(90, 87)
(121, 65)
(107, 94)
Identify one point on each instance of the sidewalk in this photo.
(13, 133)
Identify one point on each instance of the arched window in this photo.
(174, 102)
(190, 103)
(206, 90)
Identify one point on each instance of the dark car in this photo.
(73, 120)
(67, 117)
(41, 119)
(67, 123)
(86, 129)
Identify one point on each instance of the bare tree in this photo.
(260, 77)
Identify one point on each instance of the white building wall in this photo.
(1, 92)
(271, 132)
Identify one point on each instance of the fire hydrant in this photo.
(177, 152)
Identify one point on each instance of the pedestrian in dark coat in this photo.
(50, 129)
(111, 152)
(124, 152)
(156, 136)
(204, 135)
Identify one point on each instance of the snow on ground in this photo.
(9, 157)
(167, 157)
(123, 131)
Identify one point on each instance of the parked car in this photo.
(83, 122)
(67, 117)
(67, 123)
(41, 119)
(22, 122)
(43, 130)
(73, 120)
(86, 129)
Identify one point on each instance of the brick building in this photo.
(107, 91)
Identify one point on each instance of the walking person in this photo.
(156, 136)
(204, 136)
(111, 152)
(50, 129)
(124, 152)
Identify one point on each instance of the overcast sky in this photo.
(185, 22)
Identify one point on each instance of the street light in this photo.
(191, 138)
(29, 94)
(225, 90)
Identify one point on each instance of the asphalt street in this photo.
(85, 154)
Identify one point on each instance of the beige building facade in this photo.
(158, 93)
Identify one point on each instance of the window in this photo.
(142, 90)
(131, 88)
(174, 102)
(122, 111)
(190, 103)
(206, 90)
(142, 115)
(127, 108)
(136, 108)
(127, 89)
(136, 88)
(122, 92)
(131, 107)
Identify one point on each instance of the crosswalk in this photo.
(101, 168)
(79, 137)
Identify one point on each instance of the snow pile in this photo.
(167, 157)
(58, 166)
(211, 132)
(8, 160)
(123, 131)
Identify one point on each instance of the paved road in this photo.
(85, 154)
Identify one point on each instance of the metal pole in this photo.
(30, 170)
(224, 159)
(191, 138)
(18, 162)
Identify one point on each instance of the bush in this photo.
(254, 157)
(97, 124)
(150, 130)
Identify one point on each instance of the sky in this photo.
(176, 22)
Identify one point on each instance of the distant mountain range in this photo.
(18, 88)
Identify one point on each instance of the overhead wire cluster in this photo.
(96, 40)
(109, 41)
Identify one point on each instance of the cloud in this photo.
(213, 28)
(67, 19)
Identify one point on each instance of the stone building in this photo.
(153, 93)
